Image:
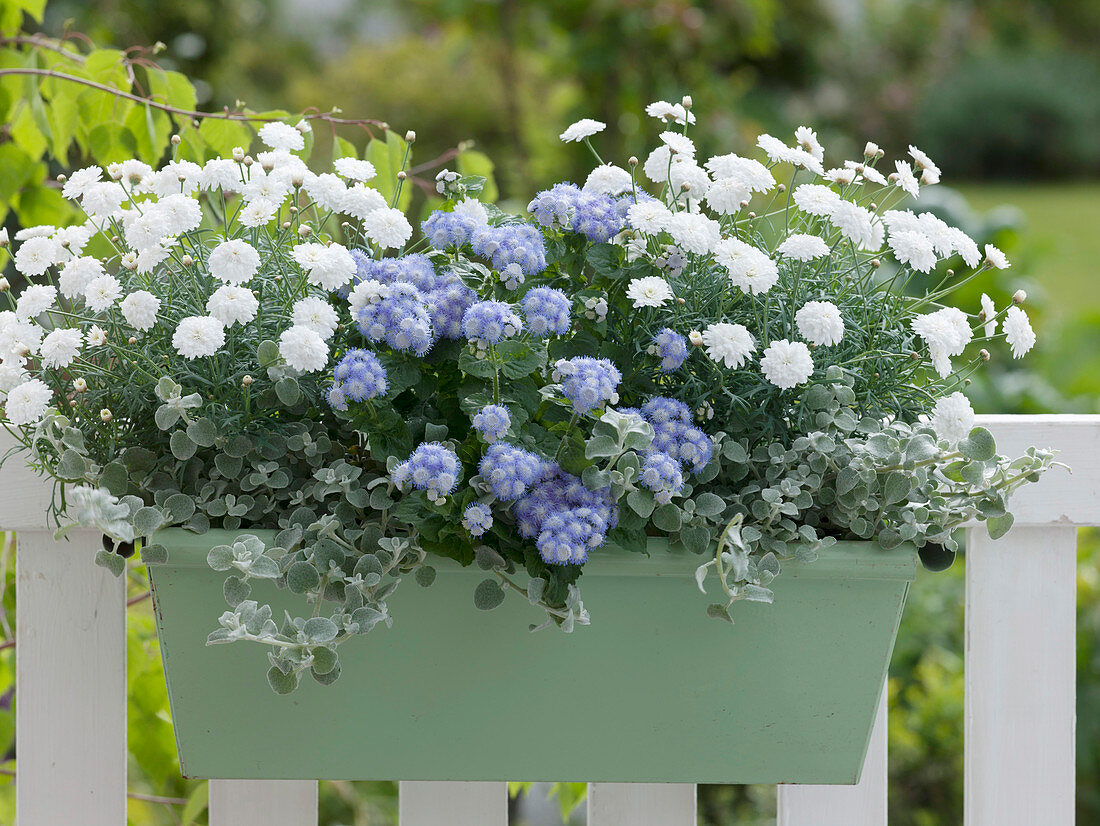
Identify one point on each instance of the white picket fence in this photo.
(1020, 681)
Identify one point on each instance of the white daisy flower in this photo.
(327, 190)
(36, 255)
(731, 344)
(866, 172)
(80, 181)
(198, 336)
(233, 261)
(11, 376)
(989, 316)
(995, 258)
(231, 305)
(1018, 332)
(678, 143)
(262, 186)
(103, 202)
(726, 195)
(18, 338)
(584, 128)
(333, 268)
(807, 139)
(148, 259)
(787, 364)
(802, 247)
(140, 309)
(749, 172)
(365, 293)
(905, 179)
(143, 231)
(650, 217)
(473, 208)
(608, 180)
(315, 314)
(749, 269)
(360, 200)
(37, 231)
(60, 347)
(257, 213)
(964, 245)
(221, 173)
(102, 292)
(28, 403)
(130, 172)
(898, 220)
(819, 322)
(938, 232)
(303, 349)
(176, 178)
(930, 173)
(675, 112)
(96, 336)
(35, 300)
(816, 199)
(694, 232)
(389, 228)
(779, 152)
(354, 169)
(946, 332)
(841, 176)
(953, 418)
(282, 137)
(649, 291)
(858, 224)
(913, 249)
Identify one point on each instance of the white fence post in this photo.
(1021, 676)
(641, 804)
(861, 805)
(424, 803)
(70, 682)
(263, 802)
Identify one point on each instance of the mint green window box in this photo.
(653, 690)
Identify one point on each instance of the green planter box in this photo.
(652, 691)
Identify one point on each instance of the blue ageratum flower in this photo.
(433, 467)
(400, 318)
(448, 304)
(477, 519)
(671, 347)
(415, 269)
(565, 518)
(492, 422)
(587, 382)
(510, 471)
(449, 230)
(490, 322)
(663, 475)
(596, 216)
(674, 434)
(546, 311)
(358, 376)
(520, 244)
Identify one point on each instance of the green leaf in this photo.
(320, 629)
(709, 504)
(425, 575)
(488, 595)
(111, 143)
(147, 520)
(267, 353)
(223, 135)
(979, 446)
(302, 577)
(16, 169)
(202, 432)
(641, 502)
(196, 804)
(112, 562)
(220, 557)
(235, 590)
(471, 365)
(282, 683)
(998, 526)
(182, 446)
(696, 538)
(387, 156)
(667, 518)
(897, 487)
(324, 660)
(154, 554)
(180, 506)
(601, 446)
(115, 478)
(471, 162)
(288, 391)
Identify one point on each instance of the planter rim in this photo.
(864, 560)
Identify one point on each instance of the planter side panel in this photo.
(652, 691)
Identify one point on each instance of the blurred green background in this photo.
(1003, 94)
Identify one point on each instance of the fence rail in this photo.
(1020, 709)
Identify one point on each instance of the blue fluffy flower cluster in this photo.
(358, 376)
(671, 347)
(663, 475)
(597, 217)
(477, 519)
(433, 468)
(490, 322)
(449, 230)
(675, 435)
(492, 422)
(566, 519)
(510, 471)
(587, 382)
(400, 318)
(519, 244)
(546, 311)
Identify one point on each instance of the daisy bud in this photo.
(297, 181)
(115, 239)
(132, 340)
(65, 243)
(402, 175)
(5, 285)
(410, 136)
(247, 160)
(246, 381)
(781, 188)
(915, 356)
(871, 150)
(876, 263)
(1019, 297)
(685, 186)
(293, 210)
(286, 224)
(268, 165)
(176, 140)
(304, 230)
(238, 154)
(892, 177)
(106, 414)
(752, 214)
(62, 178)
(4, 240)
(632, 161)
(80, 385)
(696, 338)
(187, 260)
(680, 301)
(686, 101)
(984, 354)
(950, 272)
(744, 204)
(872, 206)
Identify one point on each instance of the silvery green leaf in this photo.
(536, 587)
(425, 575)
(641, 502)
(320, 629)
(487, 559)
(302, 577)
(366, 618)
(709, 504)
(154, 553)
(220, 557)
(180, 506)
(599, 447)
(267, 353)
(112, 562)
(719, 611)
(567, 623)
(147, 520)
(235, 590)
(282, 683)
(998, 526)
(263, 567)
(488, 595)
(324, 659)
(667, 518)
(182, 446)
(979, 446)
(202, 432)
(754, 593)
(701, 575)
(288, 391)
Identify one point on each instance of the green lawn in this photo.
(1063, 229)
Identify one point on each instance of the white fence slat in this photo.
(263, 803)
(641, 804)
(861, 805)
(453, 803)
(70, 682)
(1021, 673)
